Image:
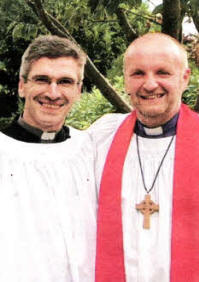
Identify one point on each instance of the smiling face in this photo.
(50, 90)
(155, 77)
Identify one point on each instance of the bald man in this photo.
(147, 170)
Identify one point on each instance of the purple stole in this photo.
(185, 221)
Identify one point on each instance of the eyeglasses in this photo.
(44, 81)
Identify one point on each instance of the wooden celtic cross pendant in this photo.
(147, 207)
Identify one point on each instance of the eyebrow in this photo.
(136, 70)
(40, 75)
(48, 77)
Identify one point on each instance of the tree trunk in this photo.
(171, 18)
(197, 54)
(91, 71)
(105, 87)
(127, 28)
(195, 17)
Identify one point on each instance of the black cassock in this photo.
(26, 133)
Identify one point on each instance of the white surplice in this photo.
(47, 210)
(146, 252)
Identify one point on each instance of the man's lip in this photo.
(152, 96)
(51, 105)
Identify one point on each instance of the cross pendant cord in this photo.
(158, 170)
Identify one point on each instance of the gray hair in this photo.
(51, 46)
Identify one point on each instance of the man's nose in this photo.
(150, 83)
(53, 90)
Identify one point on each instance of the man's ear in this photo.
(80, 89)
(21, 88)
(126, 84)
(186, 77)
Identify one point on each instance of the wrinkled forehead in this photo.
(154, 48)
(56, 67)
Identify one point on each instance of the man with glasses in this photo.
(47, 191)
(51, 76)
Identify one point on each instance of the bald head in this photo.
(156, 74)
(156, 42)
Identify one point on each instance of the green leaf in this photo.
(2, 66)
(18, 31)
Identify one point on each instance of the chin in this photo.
(49, 124)
(152, 113)
(153, 118)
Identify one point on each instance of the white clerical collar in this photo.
(165, 130)
(153, 131)
(48, 135)
(43, 135)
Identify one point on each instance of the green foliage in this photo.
(116, 69)
(27, 31)
(5, 121)
(111, 5)
(94, 25)
(18, 26)
(90, 107)
(115, 76)
(93, 105)
(190, 95)
(189, 6)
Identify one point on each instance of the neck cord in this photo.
(158, 170)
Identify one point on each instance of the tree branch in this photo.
(103, 21)
(195, 17)
(131, 34)
(150, 18)
(171, 18)
(194, 9)
(50, 23)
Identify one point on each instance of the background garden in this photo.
(103, 29)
